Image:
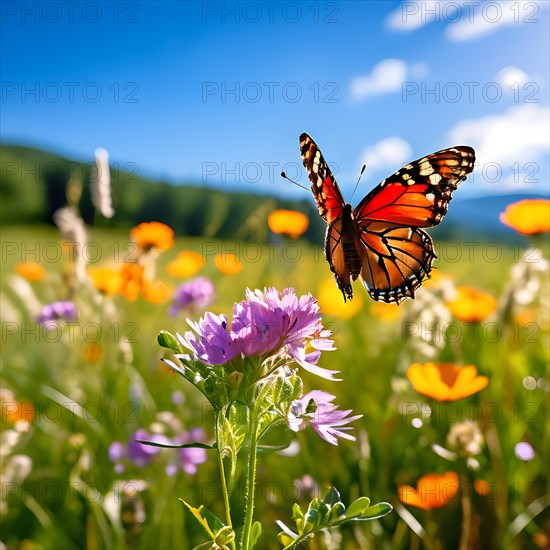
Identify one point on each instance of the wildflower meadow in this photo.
(426, 420)
(216, 336)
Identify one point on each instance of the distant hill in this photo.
(33, 186)
(476, 219)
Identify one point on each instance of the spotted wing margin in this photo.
(335, 255)
(323, 185)
(395, 260)
(418, 195)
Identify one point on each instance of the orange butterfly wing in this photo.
(323, 185)
(340, 239)
(396, 255)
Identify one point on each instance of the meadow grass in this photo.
(82, 406)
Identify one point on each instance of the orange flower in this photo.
(288, 222)
(106, 280)
(156, 292)
(331, 301)
(148, 235)
(481, 487)
(187, 264)
(13, 412)
(93, 352)
(30, 271)
(385, 312)
(228, 264)
(528, 217)
(432, 491)
(132, 281)
(446, 381)
(471, 305)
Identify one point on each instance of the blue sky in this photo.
(151, 82)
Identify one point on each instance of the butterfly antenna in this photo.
(358, 180)
(283, 175)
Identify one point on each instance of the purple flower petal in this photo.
(263, 324)
(328, 421)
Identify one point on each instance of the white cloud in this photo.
(413, 15)
(386, 77)
(487, 18)
(465, 20)
(510, 75)
(517, 137)
(390, 153)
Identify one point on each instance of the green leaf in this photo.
(377, 510)
(286, 531)
(337, 511)
(168, 340)
(311, 520)
(331, 496)
(225, 536)
(298, 517)
(264, 398)
(166, 446)
(297, 511)
(325, 513)
(208, 521)
(284, 539)
(357, 508)
(255, 533)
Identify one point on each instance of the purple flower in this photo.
(264, 324)
(142, 455)
(117, 451)
(196, 294)
(213, 343)
(189, 457)
(57, 310)
(322, 415)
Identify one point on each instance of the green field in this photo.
(72, 496)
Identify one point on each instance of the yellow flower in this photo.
(106, 280)
(528, 217)
(331, 301)
(432, 491)
(156, 292)
(471, 305)
(288, 222)
(228, 264)
(187, 264)
(446, 381)
(385, 312)
(30, 271)
(148, 235)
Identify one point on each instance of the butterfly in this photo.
(381, 240)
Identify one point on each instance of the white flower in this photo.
(101, 184)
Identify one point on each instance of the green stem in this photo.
(225, 495)
(466, 526)
(250, 480)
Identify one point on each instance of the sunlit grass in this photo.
(85, 398)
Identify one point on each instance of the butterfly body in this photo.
(349, 263)
(381, 240)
